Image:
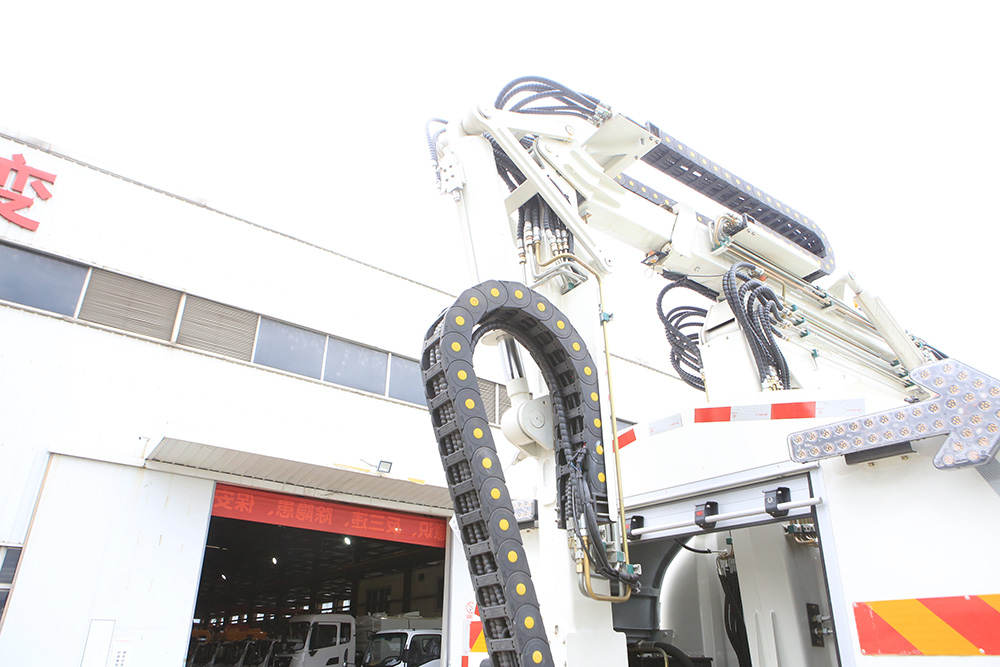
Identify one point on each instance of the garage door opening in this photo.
(271, 556)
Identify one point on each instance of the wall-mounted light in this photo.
(274, 560)
(347, 540)
(382, 468)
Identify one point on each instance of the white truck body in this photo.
(367, 625)
(318, 640)
(404, 647)
(828, 456)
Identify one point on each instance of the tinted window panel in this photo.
(9, 565)
(323, 635)
(355, 366)
(404, 381)
(289, 348)
(39, 281)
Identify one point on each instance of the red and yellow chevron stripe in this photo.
(960, 625)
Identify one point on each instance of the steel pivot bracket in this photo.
(775, 496)
(703, 511)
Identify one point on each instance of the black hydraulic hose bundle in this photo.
(757, 309)
(736, 628)
(432, 138)
(576, 493)
(675, 653)
(684, 353)
(536, 219)
(534, 89)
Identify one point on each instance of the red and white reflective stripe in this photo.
(626, 438)
(959, 625)
(851, 407)
(774, 411)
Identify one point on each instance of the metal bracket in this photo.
(703, 511)
(816, 629)
(775, 496)
(634, 523)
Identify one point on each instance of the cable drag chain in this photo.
(491, 539)
(691, 168)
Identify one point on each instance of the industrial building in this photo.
(203, 426)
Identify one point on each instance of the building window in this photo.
(39, 281)
(8, 565)
(377, 600)
(130, 305)
(355, 366)
(289, 348)
(405, 382)
(218, 328)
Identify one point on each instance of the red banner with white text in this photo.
(279, 509)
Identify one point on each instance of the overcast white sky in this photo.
(877, 119)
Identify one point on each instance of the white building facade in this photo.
(153, 347)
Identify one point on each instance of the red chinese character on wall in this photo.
(14, 199)
(303, 512)
(426, 530)
(224, 499)
(324, 515)
(285, 509)
(243, 503)
(359, 521)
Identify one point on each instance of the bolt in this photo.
(871, 464)
(569, 130)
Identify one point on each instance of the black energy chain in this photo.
(491, 539)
